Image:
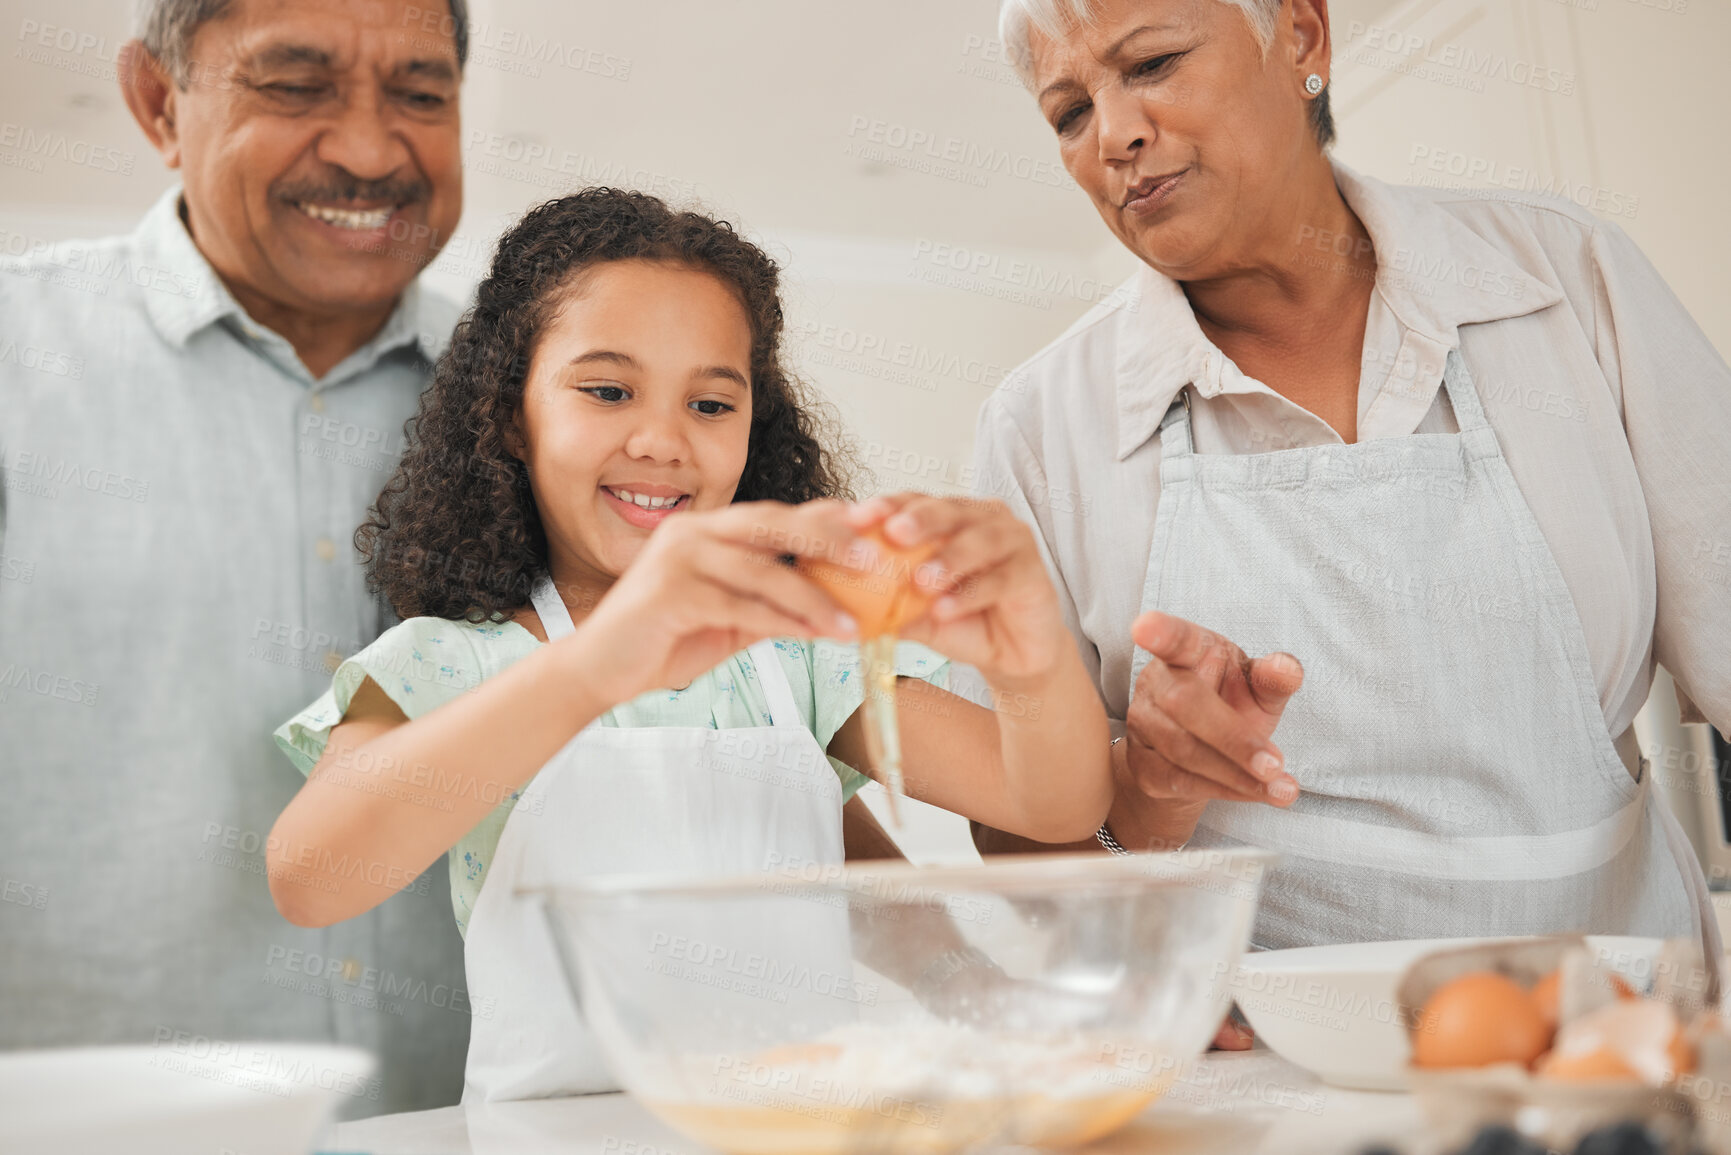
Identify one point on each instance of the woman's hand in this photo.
(995, 607)
(707, 585)
(1234, 1034)
(1199, 727)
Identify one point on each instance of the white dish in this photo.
(188, 1096)
(1332, 1009)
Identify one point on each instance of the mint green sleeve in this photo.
(837, 691)
(420, 664)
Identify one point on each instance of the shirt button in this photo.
(332, 661)
(326, 549)
(317, 403)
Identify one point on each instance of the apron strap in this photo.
(1462, 394)
(1175, 438)
(772, 676)
(555, 618)
(1178, 440)
(1688, 863)
(1421, 854)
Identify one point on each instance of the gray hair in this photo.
(1018, 18)
(167, 28)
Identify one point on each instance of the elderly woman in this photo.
(1458, 463)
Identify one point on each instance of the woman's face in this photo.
(1178, 128)
(637, 404)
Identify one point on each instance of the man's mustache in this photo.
(338, 189)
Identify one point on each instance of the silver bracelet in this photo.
(1104, 837)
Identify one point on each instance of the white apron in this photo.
(1457, 778)
(663, 800)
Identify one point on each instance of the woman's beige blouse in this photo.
(1612, 408)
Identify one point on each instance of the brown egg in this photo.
(1476, 1020)
(883, 599)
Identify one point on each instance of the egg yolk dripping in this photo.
(882, 600)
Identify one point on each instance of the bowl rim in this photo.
(893, 880)
(1301, 960)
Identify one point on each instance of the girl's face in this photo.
(637, 404)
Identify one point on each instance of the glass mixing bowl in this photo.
(1042, 1000)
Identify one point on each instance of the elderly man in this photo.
(214, 402)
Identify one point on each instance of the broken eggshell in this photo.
(882, 598)
(1630, 1040)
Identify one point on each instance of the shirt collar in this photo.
(1434, 273)
(187, 295)
(420, 320)
(183, 293)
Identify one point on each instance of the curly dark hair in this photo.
(455, 533)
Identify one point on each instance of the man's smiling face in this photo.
(319, 143)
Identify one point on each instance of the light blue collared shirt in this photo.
(177, 576)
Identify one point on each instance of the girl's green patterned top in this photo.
(423, 663)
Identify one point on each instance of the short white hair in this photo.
(1055, 18)
(1017, 19)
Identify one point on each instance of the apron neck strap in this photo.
(772, 676)
(1175, 438)
(1463, 396)
(783, 711)
(555, 618)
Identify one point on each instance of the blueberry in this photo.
(1498, 1140)
(1622, 1139)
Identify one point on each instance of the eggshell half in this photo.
(883, 599)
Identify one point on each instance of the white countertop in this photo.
(1252, 1103)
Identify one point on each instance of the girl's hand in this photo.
(707, 585)
(995, 608)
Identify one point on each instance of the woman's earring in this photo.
(1313, 84)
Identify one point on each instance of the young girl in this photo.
(587, 539)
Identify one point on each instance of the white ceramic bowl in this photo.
(187, 1096)
(1332, 1009)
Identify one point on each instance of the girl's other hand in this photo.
(994, 605)
(1234, 1034)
